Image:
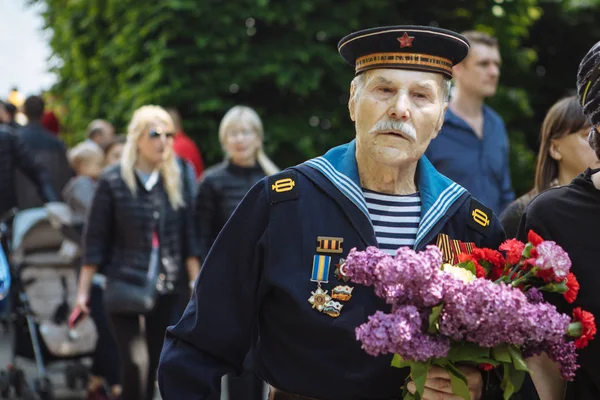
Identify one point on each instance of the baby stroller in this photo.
(43, 270)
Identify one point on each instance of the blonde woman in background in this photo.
(222, 188)
(139, 226)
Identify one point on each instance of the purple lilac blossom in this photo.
(401, 333)
(409, 278)
(490, 314)
(360, 265)
(552, 256)
(534, 296)
(563, 353)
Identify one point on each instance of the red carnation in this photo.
(588, 327)
(546, 274)
(479, 271)
(572, 288)
(514, 249)
(486, 367)
(534, 238)
(465, 257)
(494, 257)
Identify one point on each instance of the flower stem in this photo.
(519, 281)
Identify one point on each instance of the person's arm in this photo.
(205, 210)
(65, 171)
(214, 334)
(97, 238)
(547, 378)
(192, 262)
(25, 161)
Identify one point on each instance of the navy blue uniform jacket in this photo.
(255, 283)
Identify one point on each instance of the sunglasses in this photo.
(156, 134)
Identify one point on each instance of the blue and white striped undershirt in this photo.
(395, 219)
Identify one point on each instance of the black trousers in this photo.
(139, 340)
(105, 362)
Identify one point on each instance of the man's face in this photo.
(396, 113)
(480, 71)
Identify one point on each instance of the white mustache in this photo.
(389, 125)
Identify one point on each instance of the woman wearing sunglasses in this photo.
(570, 215)
(139, 232)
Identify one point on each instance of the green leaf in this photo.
(458, 380)
(418, 372)
(398, 362)
(501, 354)
(434, 317)
(469, 266)
(517, 359)
(467, 352)
(512, 381)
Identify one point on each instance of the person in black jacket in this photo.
(570, 216)
(219, 193)
(140, 226)
(49, 151)
(564, 153)
(16, 155)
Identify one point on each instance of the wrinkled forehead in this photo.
(403, 78)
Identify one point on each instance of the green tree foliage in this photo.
(279, 57)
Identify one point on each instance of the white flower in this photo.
(459, 273)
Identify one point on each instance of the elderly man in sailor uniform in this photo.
(272, 281)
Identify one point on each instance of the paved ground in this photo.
(56, 373)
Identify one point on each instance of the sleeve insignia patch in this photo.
(480, 217)
(283, 187)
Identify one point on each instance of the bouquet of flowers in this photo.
(486, 311)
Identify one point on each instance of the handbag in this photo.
(135, 292)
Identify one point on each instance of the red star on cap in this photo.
(405, 40)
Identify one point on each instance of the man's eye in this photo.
(420, 95)
(385, 90)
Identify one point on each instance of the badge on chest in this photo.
(320, 299)
(451, 248)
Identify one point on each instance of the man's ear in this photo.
(352, 100)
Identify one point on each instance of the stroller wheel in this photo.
(16, 377)
(43, 387)
(4, 385)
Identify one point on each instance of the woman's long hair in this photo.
(169, 170)
(246, 114)
(564, 118)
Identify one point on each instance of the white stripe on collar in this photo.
(341, 181)
(438, 209)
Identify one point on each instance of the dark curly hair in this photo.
(588, 92)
